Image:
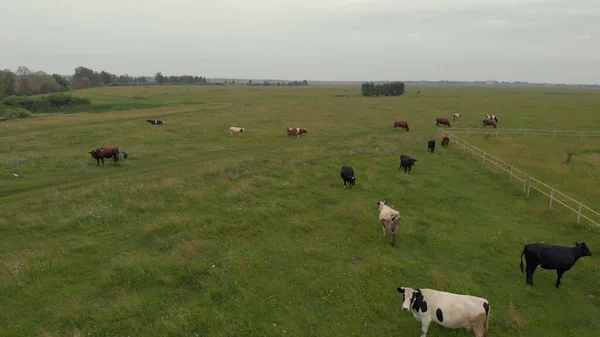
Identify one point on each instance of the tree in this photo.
(8, 83)
(62, 82)
(384, 89)
(159, 78)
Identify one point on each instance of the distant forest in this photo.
(25, 82)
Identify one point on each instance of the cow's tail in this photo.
(487, 323)
(522, 271)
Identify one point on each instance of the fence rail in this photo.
(523, 132)
(528, 181)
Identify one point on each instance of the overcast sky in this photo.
(554, 41)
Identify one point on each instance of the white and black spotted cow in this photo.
(456, 116)
(447, 309)
(492, 117)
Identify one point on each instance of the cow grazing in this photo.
(406, 163)
(453, 311)
(492, 117)
(456, 116)
(296, 131)
(551, 257)
(431, 146)
(235, 129)
(389, 219)
(443, 121)
(445, 141)
(489, 122)
(348, 175)
(155, 122)
(105, 152)
(401, 124)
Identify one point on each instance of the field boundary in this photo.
(528, 181)
(524, 132)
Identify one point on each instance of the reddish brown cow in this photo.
(105, 152)
(490, 122)
(445, 141)
(296, 131)
(401, 124)
(443, 121)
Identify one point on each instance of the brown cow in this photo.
(443, 121)
(296, 131)
(445, 141)
(491, 122)
(105, 152)
(401, 125)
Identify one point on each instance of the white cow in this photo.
(456, 116)
(235, 129)
(492, 117)
(447, 309)
(389, 219)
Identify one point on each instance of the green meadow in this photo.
(199, 233)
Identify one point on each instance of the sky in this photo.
(553, 41)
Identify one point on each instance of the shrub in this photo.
(16, 112)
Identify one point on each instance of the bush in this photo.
(383, 89)
(16, 112)
(60, 100)
(20, 101)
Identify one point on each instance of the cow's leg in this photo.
(102, 161)
(383, 229)
(479, 331)
(559, 273)
(393, 237)
(530, 269)
(425, 321)
(97, 162)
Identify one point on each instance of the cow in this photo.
(453, 311)
(551, 257)
(456, 116)
(296, 131)
(105, 152)
(489, 122)
(492, 117)
(155, 122)
(389, 219)
(445, 141)
(443, 121)
(431, 146)
(235, 129)
(406, 163)
(401, 124)
(348, 175)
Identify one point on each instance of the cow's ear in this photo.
(401, 290)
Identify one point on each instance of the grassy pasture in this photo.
(200, 233)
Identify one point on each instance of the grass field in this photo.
(200, 233)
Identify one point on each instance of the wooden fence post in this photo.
(551, 198)
(511, 173)
(525, 133)
(579, 213)
(472, 151)
(484, 158)
(581, 135)
(528, 184)
(553, 134)
(525, 184)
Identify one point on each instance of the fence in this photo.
(528, 181)
(523, 132)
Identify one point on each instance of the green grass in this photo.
(200, 233)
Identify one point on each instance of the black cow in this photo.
(406, 162)
(431, 146)
(155, 122)
(551, 257)
(348, 175)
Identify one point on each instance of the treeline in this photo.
(25, 82)
(278, 83)
(383, 89)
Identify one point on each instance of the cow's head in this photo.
(413, 161)
(353, 180)
(242, 129)
(302, 131)
(93, 153)
(381, 204)
(585, 250)
(411, 298)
